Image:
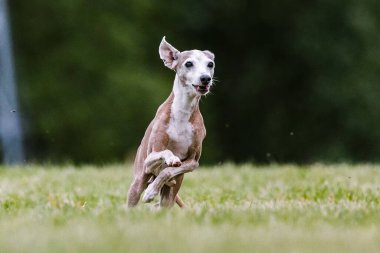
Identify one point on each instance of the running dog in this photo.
(172, 143)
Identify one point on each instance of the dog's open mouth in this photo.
(203, 89)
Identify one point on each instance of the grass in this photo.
(231, 208)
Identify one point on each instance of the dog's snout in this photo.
(205, 79)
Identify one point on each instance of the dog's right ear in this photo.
(168, 54)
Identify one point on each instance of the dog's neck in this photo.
(184, 101)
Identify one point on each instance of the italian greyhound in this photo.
(172, 143)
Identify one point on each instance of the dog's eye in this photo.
(210, 64)
(189, 64)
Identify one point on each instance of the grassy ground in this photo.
(230, 209)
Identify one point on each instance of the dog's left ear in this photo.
(168, 54)
(209, 54)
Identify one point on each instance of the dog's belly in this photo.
(180, 139)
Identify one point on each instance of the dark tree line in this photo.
(298, 81)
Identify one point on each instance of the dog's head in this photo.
(194, 68)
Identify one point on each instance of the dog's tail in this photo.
(179, 201)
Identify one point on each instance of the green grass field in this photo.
(231, 208)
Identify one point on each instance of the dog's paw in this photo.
(173, 161)
(149, 194)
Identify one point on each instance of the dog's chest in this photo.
(180, 137)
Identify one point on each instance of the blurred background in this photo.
(298, 81)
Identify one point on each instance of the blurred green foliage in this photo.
(298, 81)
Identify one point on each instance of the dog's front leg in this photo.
(164, 176)
(155, 161)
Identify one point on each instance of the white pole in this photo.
(10, 123)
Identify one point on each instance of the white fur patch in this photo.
(180, 129)
(182, 134)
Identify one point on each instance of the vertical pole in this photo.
(10, 123)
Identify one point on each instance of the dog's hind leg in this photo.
(179, 201)
(169, 194)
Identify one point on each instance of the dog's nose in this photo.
(205, 79)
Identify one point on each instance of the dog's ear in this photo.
(209, 54)
(168, 54)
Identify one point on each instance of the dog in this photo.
(172, 143)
